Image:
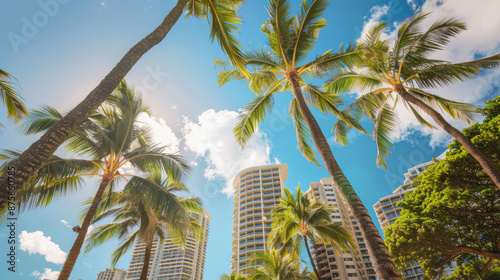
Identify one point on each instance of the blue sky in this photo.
(72, 45)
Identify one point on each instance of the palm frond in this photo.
(385, 122)
(302, 133)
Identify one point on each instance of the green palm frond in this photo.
(349, 82)
(9, 94)
(308, 28)
(279, 29)
(302, 133)
(253, 114)
(385, 122)
(224, 20)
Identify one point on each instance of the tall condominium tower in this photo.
(112, 274)
(256, 191)
(168, 261)
(348, 265)
(387, 211)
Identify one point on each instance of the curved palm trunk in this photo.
(486, 266)
(483, 160)
(315, 269)
(32, 159)
(147, 256)
(77, 246)
(381, 258)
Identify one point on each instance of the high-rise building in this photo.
(256, 192)
(168, 261)
(348, 265)
(112, 274)
(387, 211)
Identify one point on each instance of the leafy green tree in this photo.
(11, 98)
(273, 265)
(404, 71)
(307, 222)
(473, 268)
(109, 141)
(147, 208)
(223, 20)
(283, 68)
(454, 210)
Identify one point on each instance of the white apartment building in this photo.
(112, 274)
(349, 265)
(168, 261)
(387, 210)
(256, 192)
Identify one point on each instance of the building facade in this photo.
(348, 265)
(112, 274)
(387, 211)
(256, 191)
(168, 261)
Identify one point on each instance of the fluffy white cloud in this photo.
(162, 133)
(48, 274)
(212, 137)
(37, 243)
(478, 40)
(376, 13)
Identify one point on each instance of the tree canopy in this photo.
(453, 214)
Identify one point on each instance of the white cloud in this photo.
(478, 40)
(66, 223)
(174, 107)
(48, 274)
(376, 13)
(212, 137)
(37, 243)
(162, 133)
(89, 230)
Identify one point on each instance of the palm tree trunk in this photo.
(32, 159)
(315, 269)
(380, 256)
(483, 160)
(147, 256)
(77, 246)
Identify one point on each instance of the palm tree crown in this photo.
(386, 68)
(300, 216)
(148, 205)
(274, 265)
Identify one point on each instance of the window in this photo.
(348, 259)
(352, 275)
(350, 266)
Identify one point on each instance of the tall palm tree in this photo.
(273, 265)
(281, 69)
(301, 217)
(404, 71)
(10, 97)
(223, 20)
(149, 206)
(110, 141)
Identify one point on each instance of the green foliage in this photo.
(109, 139)
(299, 220)
(453, 212)
(9, 94)
(290, 39)
(406, 61)
(274, 265)
(146, 208)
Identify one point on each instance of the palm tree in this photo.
(403, 70)
(11, 98)
(111, 140)
(279, 70)
(223, 20)
(233, 276)
(149, 206)
(300, 216)
(273, 265)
